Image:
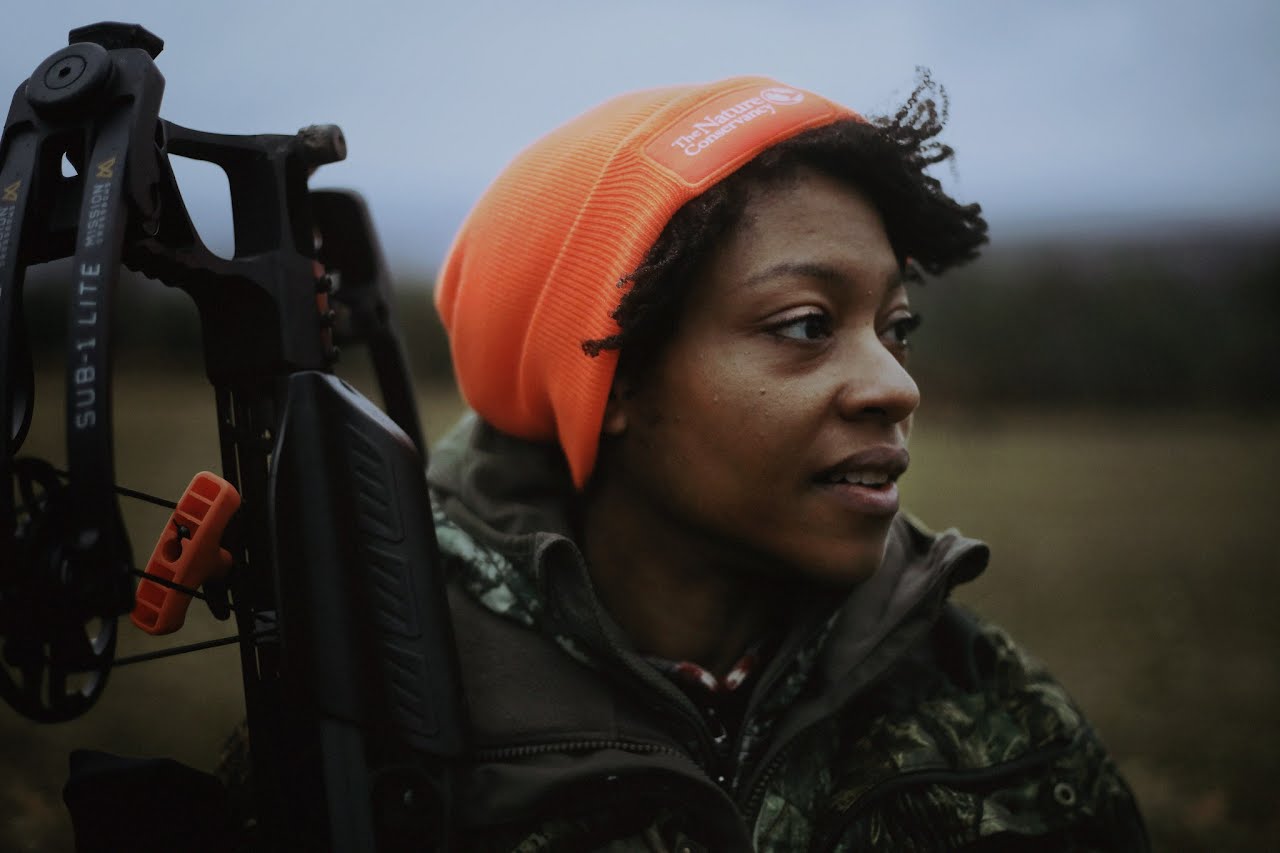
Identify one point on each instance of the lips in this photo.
(871, 466)
(866, 481)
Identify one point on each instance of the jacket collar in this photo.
(512, 495)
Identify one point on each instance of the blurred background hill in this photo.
(1182, 318)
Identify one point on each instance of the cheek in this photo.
(729, 405)
(737, 454)
(708, 434)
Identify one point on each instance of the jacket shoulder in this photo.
(970, 742)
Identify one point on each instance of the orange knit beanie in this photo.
(535, 269)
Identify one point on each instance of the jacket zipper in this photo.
(651, 681)
(756, 794)
(764, 688)
(635, 747)
(530, 750)
(930, 776)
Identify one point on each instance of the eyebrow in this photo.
(818, 271)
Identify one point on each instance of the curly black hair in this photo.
(885, 158)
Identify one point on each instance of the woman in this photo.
(689, 612)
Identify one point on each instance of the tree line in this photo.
(1179, 320)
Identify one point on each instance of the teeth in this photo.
(859, 478)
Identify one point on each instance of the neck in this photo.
(672, 594)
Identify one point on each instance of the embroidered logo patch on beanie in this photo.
(731, 128)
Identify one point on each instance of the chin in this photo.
(849, 574)
(847, 565)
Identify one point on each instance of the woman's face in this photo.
(770, 432)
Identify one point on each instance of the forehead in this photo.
(808, 221)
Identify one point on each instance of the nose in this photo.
(876, 385)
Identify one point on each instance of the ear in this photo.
(615, 410)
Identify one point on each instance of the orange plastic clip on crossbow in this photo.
(188, 553)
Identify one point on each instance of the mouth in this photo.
(869, 478)
(874, 467)
(866, 481)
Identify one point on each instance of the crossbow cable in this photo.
(61, 597)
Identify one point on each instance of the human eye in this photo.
(898, 332)
(812, 324)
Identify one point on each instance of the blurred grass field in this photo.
(1131, 553)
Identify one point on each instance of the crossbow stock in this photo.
(350, 681)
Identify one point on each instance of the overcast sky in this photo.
(1066, 116)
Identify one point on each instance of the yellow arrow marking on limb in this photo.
(106, 168)
(11, 191)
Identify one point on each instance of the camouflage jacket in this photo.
(890, 719)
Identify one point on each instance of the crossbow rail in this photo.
(350, 682)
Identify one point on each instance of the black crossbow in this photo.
(330, 562)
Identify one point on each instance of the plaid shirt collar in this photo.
(695, 679)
